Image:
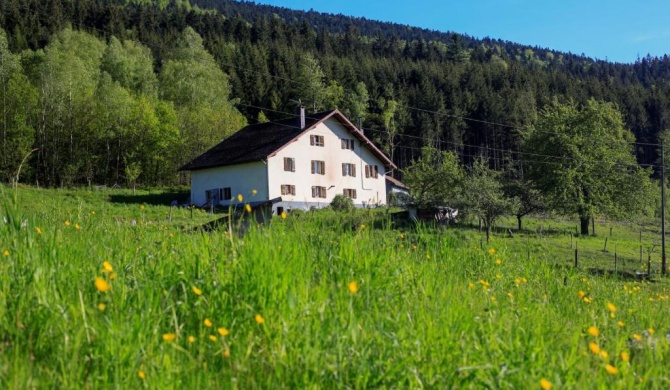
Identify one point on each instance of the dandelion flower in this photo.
(545, 384)
(107, 267)
(169, 337)
(620, 323)
(283, 215)
(581, 294)
(226, 354)
(196, 291)
(141, 207)
(637, 337)
(101, 306)
(76, 226)
(254, 192)
(247, 207)
(492, 251)
(240, 197)
(6, 253)
(611, 307)
(604, 355)
(611, 369)
(38, 230)
(363, 226)
(650, 330)
(259, 319)
(141, 375)
(353, 287)
(593, 331)
(213, 338)
(67, 223)
(625, 356)
(498, 261)
(587, 300)
(207, 322)
(401, 236)
(223, 331)
(594, 348)
(101, 284)
(112, 276)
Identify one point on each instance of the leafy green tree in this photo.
(516, 185)
(434, 178)
(309, 84)
(483, 195)
(583, 161)
(131, 64)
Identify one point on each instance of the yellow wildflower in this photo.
(141, 374)
(254, 192)
(353, 287)
(223, 331)
(6, 253)
(611, 307)
(492, 251)
(650, 330)
(38, 230)
(112, 276)
(101, 284)
(196, 290)
(283, 215)
(212, 337)
(226, 354)
(259, 319)
(240, 197)
(498, 261)
(498, 276)
(593, 331)
(611, 369)
(141, 207)
(620, 323)
(101, 306)
(76, 226)
(625, 356)
(545, 384)
(604, 355)
(107, 267)
(67, 223)
(247, 207)
(581, 294)
(363, 226)
(207, 322)
(588, 300)
(594, 348)
(169, 337)
(637, 337)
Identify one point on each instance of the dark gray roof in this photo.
(257, 142)
(253, 142)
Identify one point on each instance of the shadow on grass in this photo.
(157, 199)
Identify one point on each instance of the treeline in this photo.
(410, 87)
(89, 111)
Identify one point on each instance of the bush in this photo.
(342, 203)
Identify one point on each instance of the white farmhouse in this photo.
(295, 163)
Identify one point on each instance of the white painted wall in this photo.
(370, 191)
(241, 178)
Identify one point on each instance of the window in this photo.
(208, 195)
(225, 194)
(347, 144)
(289, 164)
(318, 192)
(287, 189)
(348, 169)
(318, 167)
(316, 140)
(350, 193)
(371, 171)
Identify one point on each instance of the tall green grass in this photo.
(431, 309)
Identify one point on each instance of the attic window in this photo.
(347, 144)
(371, 171)
(289, 164)
(316, 140)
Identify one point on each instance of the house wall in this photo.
(241, 178)
(369, 191)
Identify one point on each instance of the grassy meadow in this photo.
(100, 289)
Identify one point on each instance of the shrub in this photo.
(342, 203)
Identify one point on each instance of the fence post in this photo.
(649, 266)
(571, 245)
(610, 232)
(576, 256)
(615, 262)
(605, 248)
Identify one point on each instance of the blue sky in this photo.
(617, 30)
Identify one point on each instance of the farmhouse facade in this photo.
(296, 163)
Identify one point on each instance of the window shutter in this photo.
(313, 166)
(323, 192)
(344, 169)
(354, 191)
(311, 140)
(367, 171)
(323, 167)
(353, 170)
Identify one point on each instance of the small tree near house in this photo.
(483, 195)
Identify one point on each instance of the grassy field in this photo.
(100, 289)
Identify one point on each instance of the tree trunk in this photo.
(584, 223)
(488, 234)
(518, 221)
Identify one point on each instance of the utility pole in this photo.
(664, 269)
